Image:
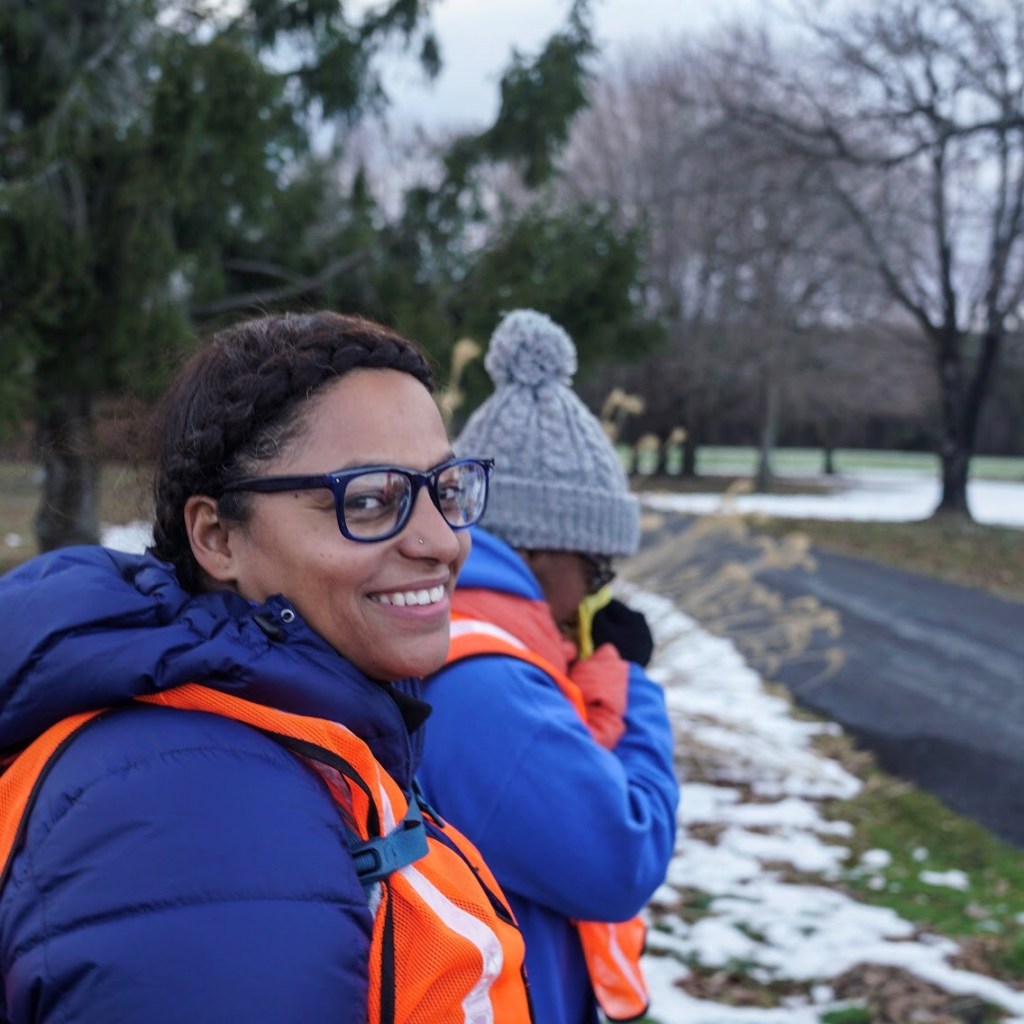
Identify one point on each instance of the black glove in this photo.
(626, 629)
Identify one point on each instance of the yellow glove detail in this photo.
(589, 607)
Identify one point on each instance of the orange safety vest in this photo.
(612, 951)
(445, 944)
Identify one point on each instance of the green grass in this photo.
(851, 1015)
(921, 834)
(742, 461)
(808, 461)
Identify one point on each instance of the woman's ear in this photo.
(210, 539)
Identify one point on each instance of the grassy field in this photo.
(802, 462)
(921, 834)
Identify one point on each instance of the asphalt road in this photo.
(931, 677)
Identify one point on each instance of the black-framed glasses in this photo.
(602, 571)
(373, 503)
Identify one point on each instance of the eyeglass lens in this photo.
(378, 503)
(602, 572)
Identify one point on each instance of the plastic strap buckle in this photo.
(375, 859)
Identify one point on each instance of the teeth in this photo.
(401, 598)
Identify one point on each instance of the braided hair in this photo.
(239, 401)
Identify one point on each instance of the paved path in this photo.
(931, 678)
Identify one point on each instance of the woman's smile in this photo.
(421, 597)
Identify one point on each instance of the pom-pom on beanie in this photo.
(558, 484)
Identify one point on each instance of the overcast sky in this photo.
(477, 37)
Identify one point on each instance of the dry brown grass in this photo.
(989, 558)
(124, 496)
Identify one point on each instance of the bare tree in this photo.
(642, 144)
(749, 257)
(787, 247)
(913, 110)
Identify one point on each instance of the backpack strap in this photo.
(474, 638)
(23, 777)
(612, 950)
(374, 858)
(377, 858)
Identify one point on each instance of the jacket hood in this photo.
(89, 628)
(495, 565)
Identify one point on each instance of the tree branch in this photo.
(269, 296)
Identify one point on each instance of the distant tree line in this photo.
(895, 405)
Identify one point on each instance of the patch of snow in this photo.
(133, 537)
(878, 496)
(876, 860)
(952, 879)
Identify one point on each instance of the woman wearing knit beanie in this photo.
(548, 746)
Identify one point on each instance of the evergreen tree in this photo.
(148, 149)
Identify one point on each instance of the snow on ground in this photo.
(762, 778)
(134, 537)
(876, 495)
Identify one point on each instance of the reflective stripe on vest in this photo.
(612, 951)
(445, 946)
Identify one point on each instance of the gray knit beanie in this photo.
(558, 484)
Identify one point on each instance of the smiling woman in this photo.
(219, 737)
(288, 541)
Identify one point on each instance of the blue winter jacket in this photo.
(570, 830)
(179, 866)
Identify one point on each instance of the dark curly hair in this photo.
(239, 400)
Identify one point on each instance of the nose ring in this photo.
(419, 540)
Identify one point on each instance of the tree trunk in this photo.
(828, 448)
(65, 438)
(958, 428)
(961, 412)
(689, 467)
(661, 459)
(764, 479)
(956, 463)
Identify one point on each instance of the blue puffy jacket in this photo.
(570, 830)
(180, 867)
